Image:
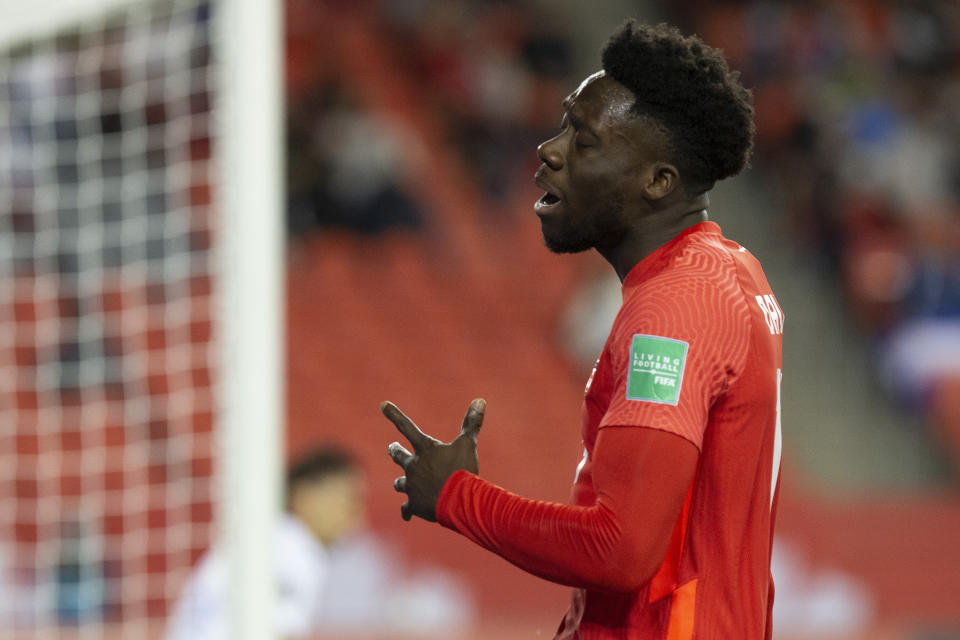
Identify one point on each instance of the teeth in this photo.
(549, 198)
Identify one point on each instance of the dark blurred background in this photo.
(417, 273)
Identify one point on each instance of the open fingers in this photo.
(474, 419)
(418, 439)
(400, 455)
(400, 484)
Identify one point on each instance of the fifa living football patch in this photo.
(656, 369)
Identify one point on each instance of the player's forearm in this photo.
(584, 547)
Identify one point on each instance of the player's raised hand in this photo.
(427, 468)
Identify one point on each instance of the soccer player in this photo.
(669, 530)
(325, 504)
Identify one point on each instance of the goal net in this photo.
(109, 392)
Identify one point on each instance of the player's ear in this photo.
(660, 180)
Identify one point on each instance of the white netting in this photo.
(105, 307)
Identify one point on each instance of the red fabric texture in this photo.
(610, 545)
(648, 516)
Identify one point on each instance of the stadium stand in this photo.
(857, 130)
(465, 302)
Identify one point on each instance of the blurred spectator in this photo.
(325, 504)
(588, 316)
(855, 110)
(333, 578)
(376, 593)
(920, 353)
(817, 603)
(492, 74)
(858, 128)
(346, 166)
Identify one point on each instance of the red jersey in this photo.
(696, 351)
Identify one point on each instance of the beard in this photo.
(565, 234)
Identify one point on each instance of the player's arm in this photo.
(641, 477)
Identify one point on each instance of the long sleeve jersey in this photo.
(694, 353)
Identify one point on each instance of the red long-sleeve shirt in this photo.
(669, 530)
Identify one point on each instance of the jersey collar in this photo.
(642, 269)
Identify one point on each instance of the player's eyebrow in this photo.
(569, 107)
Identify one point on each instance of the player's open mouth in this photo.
(550, 199)
(547, 202)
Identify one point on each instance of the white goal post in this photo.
(141, 297)
(251, 84)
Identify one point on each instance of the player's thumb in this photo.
(474, 419)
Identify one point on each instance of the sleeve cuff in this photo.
(449, 497)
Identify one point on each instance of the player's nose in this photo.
(549, 153)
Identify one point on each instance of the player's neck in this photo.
(652, 231)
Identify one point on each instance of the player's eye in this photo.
(582, 142)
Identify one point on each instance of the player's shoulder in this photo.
(706, 255)
(701, 265)
(697, 282)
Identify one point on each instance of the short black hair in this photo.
(319, 463)
(686, 86)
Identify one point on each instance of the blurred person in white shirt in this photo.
(325, 504)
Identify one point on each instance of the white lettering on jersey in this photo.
(771, 313)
